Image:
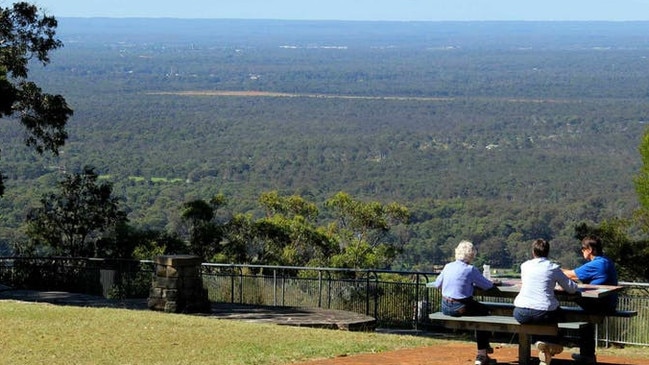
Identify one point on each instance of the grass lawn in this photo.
(37, 333)
(48, 334)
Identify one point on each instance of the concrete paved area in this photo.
(289, 316)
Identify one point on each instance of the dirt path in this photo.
(459, 354)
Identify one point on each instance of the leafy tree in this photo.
(289, 206)
(294, 239)
(128, 242)
(239, 234)
(204, 233)
(286, 235)
(24, 35)
(289, 232)
(363, 229)
(72, 220)
(198, 214)
(642, 182)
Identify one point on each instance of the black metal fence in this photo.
(397, 299)
(111, 278)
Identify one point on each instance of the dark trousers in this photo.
(535, 316)
(468, 307)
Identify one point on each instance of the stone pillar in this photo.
(177, 285)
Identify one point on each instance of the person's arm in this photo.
(570, 274)
(438, 281)
(566, 282)
(480, 281)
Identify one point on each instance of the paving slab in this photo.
(288, 316)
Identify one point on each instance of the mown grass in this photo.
(49, 334)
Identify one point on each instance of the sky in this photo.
(388, 10)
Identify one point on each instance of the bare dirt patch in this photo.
(290, 95)
(461, 353)
(253, 93)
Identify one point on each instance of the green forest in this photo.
(495, 132)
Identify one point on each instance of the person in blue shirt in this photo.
(598, 270)
(457, 280)
(536, 301)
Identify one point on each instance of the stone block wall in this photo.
(177, 285)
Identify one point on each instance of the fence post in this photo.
(328, 290)
(232, 285)
(376, 296)
(274, 286)
(417, 302)
(283, 289)
(367, 293)
(241, 285)
(319, 288)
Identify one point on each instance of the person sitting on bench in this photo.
(598, 270)
(536, 302)
(457, 281)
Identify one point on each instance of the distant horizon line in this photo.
(352, 20)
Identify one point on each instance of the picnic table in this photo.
(501, 319)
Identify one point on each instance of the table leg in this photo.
(587, 340)
(524, 353)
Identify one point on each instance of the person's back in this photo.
(539, 277)
(458, 278)
(457, 281)
(536, 301)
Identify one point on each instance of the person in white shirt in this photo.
(536, 302)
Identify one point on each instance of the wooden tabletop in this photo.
(513, 286)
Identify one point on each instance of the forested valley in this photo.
(495, 132)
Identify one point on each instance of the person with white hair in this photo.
(457, 281)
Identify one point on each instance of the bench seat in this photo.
(573, 313)
(506, 324)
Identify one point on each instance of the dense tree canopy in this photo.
(293, 232)
(499, 133)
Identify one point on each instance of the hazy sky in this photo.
(434, 10)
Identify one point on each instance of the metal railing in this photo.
(397, 299)
(362, 291)
(111, 278)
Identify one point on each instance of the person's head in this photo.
(591, 246)
(540, 248)
(465, 251)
